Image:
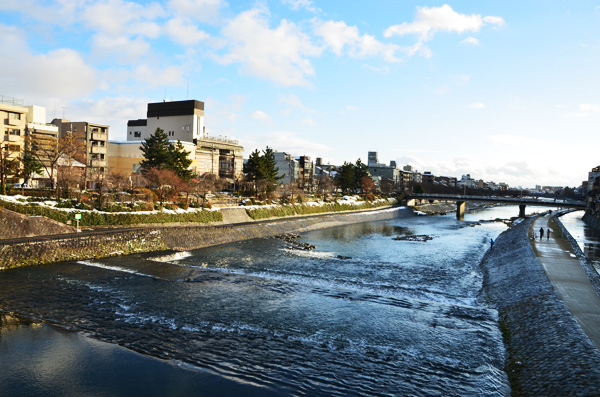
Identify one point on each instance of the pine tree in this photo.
(346, 177)
(262, 170)
(269, 171)
(360, 172)
(160, 153)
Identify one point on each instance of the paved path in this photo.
(569, 279)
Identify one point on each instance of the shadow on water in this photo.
(38, 359)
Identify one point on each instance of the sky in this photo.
(506, 91)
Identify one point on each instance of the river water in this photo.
(587, 237)
(362, 314)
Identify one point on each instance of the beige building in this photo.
(13, 125)
(181, 121)
(95, 138)
(42, 141)
(125, 156)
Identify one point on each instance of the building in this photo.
(428, 177)
(95, 143)
(306, 173)
(288, 166)
(13, 123)
(449, 181)
(593, 179)
(467, 182)
(379, 171)
(182, 121)
(43, 143)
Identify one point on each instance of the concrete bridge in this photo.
(522, 202)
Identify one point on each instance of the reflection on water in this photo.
(362, 314)
(36, 359)
(587, 237)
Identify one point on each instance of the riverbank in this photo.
(115, 242)
(547, 351)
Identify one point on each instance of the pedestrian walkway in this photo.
(568, 279)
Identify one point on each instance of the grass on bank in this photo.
(257, 213)
(96, 218)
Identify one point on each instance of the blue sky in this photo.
(508, 91)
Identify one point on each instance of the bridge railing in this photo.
(521, 200)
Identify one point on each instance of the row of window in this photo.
(13, 116)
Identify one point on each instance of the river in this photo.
(362, 314)
(587, 237)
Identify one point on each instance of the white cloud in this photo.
(123, 18)
(585, 109)
(207, 11)
(590, 107)
(122, 49)
(295, 102)
(260, 115)
(494, 20)
(279, 54)
(382, 69)
(307, 5)
(61, 73)
(59, 12)
(184, 33)
(112, 111)
(284, 141)
(471, 41)
(431, 20)
(122, 28)
(477, 105)
(309, 121)
(338, 36)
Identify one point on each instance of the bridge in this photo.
(522, 202)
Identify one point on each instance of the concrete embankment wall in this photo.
(127, 241)
(547, 351)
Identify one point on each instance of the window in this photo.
(14, 116)
(14, 148)
(171, 133)
(137, 134)
(14, 131)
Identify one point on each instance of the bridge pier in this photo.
(522, 210)
(460, 209)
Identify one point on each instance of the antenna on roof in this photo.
(187, 94)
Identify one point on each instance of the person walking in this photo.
(491, 243)
(548, 234)
(541, 233)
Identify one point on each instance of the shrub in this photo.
(64, 204)
(95, 218)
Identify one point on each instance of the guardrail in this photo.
(521, 200)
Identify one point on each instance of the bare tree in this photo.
(366, 184)
(69, 147)
(163, 182)
(117, 181)
(325, 184)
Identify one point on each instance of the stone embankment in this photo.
(548, 354)
(14, 225)
(126, 241)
